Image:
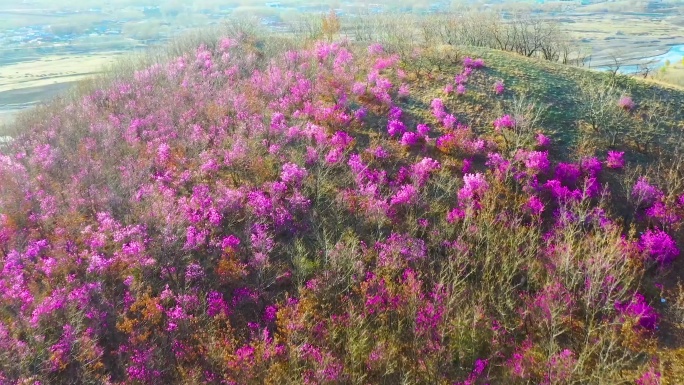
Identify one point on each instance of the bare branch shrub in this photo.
(528, 115)
(600, 110)
(330, 25)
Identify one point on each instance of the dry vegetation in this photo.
(250, 209)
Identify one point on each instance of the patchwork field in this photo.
(26, 83)
(627, 38)
(608, 34)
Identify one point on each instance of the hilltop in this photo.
(250, 209)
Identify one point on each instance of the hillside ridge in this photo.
(247, 210)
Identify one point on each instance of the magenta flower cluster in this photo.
(226, 219)
(504, 122)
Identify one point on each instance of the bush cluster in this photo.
(234, 218)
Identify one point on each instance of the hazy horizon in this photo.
(47, 45)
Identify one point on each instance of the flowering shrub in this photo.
(615, 159)
(410, 139)
(537, 161)
(568, 173)
(236, 215)
(505, 121)
(627, 103)
(659, 246)
(543, 140)
(469, 62)
(535, 205)
(474, 186)
(640, 311)
(499, 87)
(396, 128)
(650, 377)
(461, 89)
(645, 193)
(292, 173)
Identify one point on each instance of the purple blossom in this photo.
(537, 161)
(449, 121)
(359, 88)
(423, 129)
(379, 152)
(475, 146)
(505, 121)
(360, 114)
(420, 172)
(560, 192)
(592, 187)
(480, 366)
(460, 89)
(230, 241)
(62, 349)
(400, 248)
(244, 354)
(195, 237)
(175, 316)
(376, 49)
(260, 204)
(194, 272)
(404, 91)
(291, 173)
(438, 109)
(215, 304)
(395, 113)
(334, 156)
(615, 159)
(659, 246)
(543, 140)
(410, 139)
(626, 103)
(650, 377)
(262, 244)
(638, 309)
(474, 187)
(455, 215)
(163, 153)
(591, 166)
(395, 128)
(497, 162)
(560, 367)
(405, 196)
(226, 44)
(270, 313)
(568, 173)
(467, 165)
(341, 139)
(469, 62)
(535, 205)
(499, 87)
(680, 200)
(662, 213)
(52, 303)
(139, 367)
(645, 193)
(356, 164)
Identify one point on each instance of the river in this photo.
(674, 55)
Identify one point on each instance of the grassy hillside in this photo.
(255, 210)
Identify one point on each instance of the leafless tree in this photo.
(647, 68)
(617, 61)
(601, 111)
